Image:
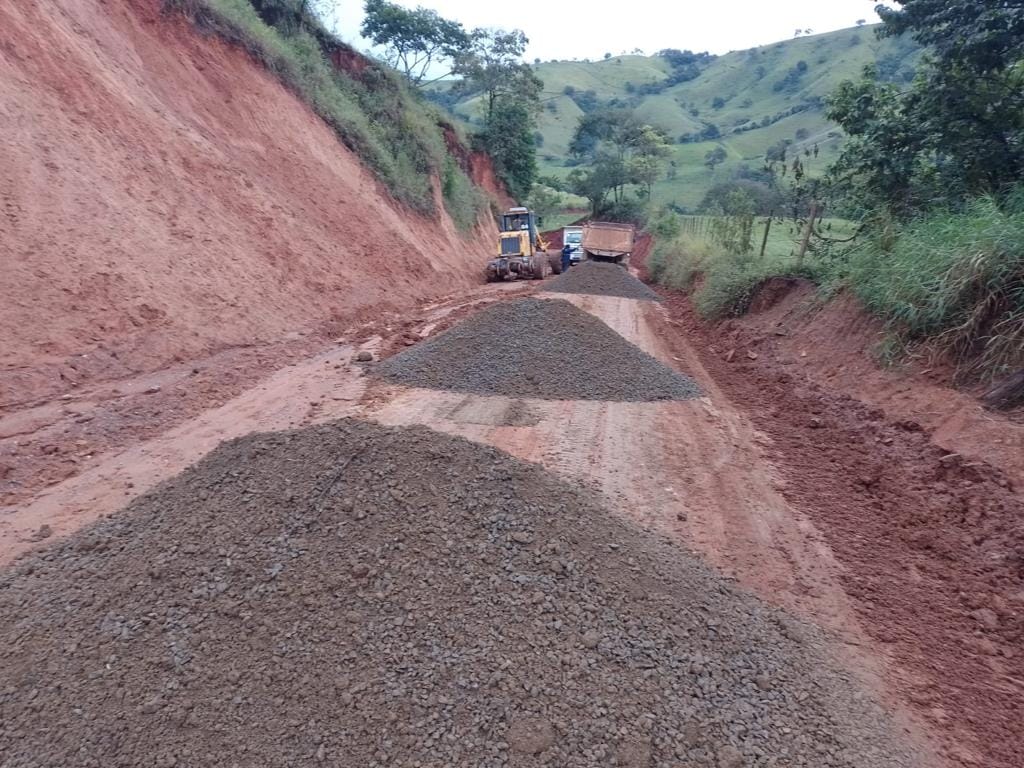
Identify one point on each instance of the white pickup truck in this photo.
(573, 237)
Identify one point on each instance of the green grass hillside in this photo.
(754, 98)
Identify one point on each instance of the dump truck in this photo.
(573, 237)
(608, 241)
(522, 252)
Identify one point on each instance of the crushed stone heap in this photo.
(540, 348)
(359, 596)
(601, 279)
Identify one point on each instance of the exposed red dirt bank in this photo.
(931, 543)
(139, 155)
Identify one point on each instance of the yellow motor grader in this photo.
(522, 252)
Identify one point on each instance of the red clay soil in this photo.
(932, 544)
(140, 155)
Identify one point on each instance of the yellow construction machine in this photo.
(522, 252)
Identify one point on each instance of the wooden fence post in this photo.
(767, 227)
(805, 241)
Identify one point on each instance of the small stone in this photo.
(590, 639)
(44, 532)
(522, 537)
(151, 390)
(152, 706)
(691, 733)
(530, 735)
(763, 682)
(730, 757)
(364, 356)
(987, 617)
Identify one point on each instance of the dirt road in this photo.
(701, 472)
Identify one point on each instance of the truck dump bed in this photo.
(607, 240)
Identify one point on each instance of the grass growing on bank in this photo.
(952, 281)
(396, 134)
(729, 280)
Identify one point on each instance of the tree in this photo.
(861, 22)
(979, 35)
(413, 40)
(491, 64)
(508, 139)
(621, 151)
(544, 201)
(650, 148)
(716, 156)
(958, 131)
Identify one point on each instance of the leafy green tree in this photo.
(544, 200)
(621, 151)
(716, 156)
(413, 40)
(492, 65)
(651, 148)
(959, 130)
(508, 139)
(980, 35)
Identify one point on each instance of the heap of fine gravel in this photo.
(601, 279)
(357, 596)
(539, 348)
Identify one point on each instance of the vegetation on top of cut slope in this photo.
(373, 113)
(953, 281)
(955, 277)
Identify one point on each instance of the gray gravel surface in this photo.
(361, 596)
(601, 279)
(541, 348)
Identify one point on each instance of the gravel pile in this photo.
(601, 279)
(358, 596)
(541, 348)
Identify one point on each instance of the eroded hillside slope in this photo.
(165, 196)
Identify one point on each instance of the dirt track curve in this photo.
(699, 473)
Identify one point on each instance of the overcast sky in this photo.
(566, 29)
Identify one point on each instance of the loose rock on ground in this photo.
(361, 596)
(601, 279)
(539, 348)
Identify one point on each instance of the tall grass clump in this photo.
(953, 280)
(373, 113)
(723, 282)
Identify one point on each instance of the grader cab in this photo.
(522, 252)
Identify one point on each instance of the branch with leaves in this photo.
(413, 40)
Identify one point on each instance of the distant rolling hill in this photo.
(749, 99)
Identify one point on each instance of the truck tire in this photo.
(540, 267)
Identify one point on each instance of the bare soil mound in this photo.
(166, 197)
(362, 596)
(543, 348)
(601, 279)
